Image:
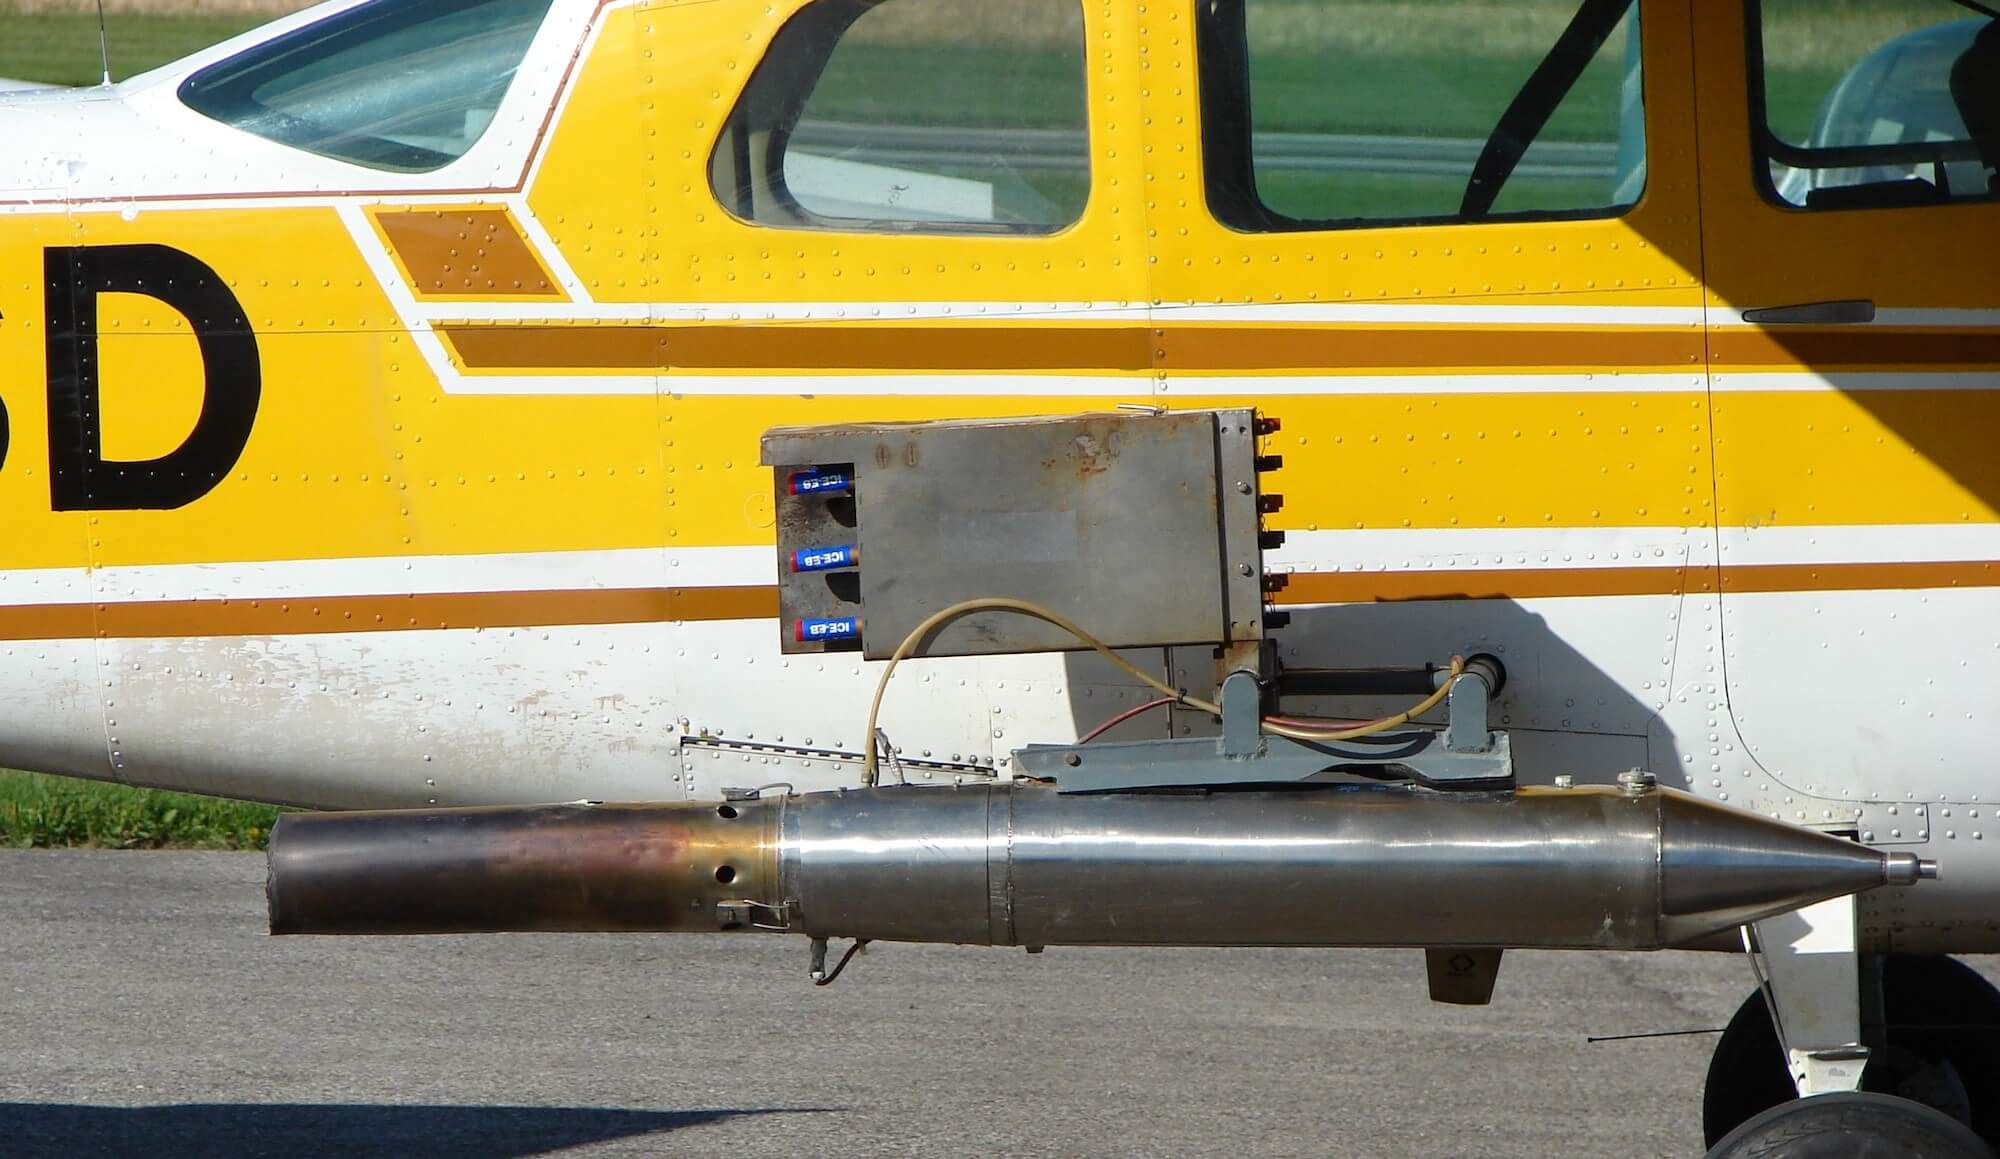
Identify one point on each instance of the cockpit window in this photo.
(931, 116)
(403, 85)
(1335, 114)
(1876, 103)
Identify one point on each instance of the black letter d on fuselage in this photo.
(80, 478)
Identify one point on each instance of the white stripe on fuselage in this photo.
(1310, 551)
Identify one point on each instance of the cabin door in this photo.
(1851, 238)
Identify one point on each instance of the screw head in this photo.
(1072, 760)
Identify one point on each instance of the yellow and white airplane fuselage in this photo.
(352, 487)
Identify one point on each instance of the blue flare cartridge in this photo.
(828, 630)
(825, 558)
(813, 481)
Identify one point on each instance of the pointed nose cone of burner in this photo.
(1722, 867)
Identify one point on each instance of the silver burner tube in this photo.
(1023, 865)
(1570, 869)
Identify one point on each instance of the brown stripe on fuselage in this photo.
(801, 346)
(1364, 587)
(1361, 587)
(1856, 348)
(465, 253)
(428, 611)
(1198, 348)
(1085, 349)
(1223, 348)
(1860, 577)
(540, 609)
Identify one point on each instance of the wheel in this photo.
(1856, 1125)
(1942, 1052)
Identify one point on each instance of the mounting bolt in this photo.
(1245, 569)
(1072, 760)
(1636, 781)
(1565, 781)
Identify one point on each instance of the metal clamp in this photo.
(756, 915)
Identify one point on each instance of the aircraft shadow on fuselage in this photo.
(1949, 429)
(350, 1130)
(1564, 712)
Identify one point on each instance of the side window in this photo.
(403, 85)
(914, 115)
(1324, 114)
(1875, 102)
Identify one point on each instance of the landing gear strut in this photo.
(1938, 1046)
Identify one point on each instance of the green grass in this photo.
(61, 47)
(41, 812)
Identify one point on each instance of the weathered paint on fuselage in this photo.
(499, 532)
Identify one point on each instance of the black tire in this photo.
(1852, 1126)
(1942, 1051)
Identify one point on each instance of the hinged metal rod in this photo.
(1385, 681)
(1359, 681)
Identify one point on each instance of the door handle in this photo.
(1846, 312)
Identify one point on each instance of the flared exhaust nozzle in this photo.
(652, 868)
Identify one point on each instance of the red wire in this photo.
(1122, 717)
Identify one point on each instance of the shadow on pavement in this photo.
(308, 1131)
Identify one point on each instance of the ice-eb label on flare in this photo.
(825, 558)
(822, 631)
(814, 481)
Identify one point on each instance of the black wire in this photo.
(1649, 1034)
(842, 964)
(1967, 1028)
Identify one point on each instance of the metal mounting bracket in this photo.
(1453, 758)
(1809, 967)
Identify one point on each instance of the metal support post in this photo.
(1808, 965)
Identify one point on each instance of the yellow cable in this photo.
(1020, 607)
(870, 763)
(1374, 726)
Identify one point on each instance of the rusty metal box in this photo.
(1140, 527)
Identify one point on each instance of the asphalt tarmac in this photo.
(144, 1012)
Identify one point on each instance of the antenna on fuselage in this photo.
(103, 44)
